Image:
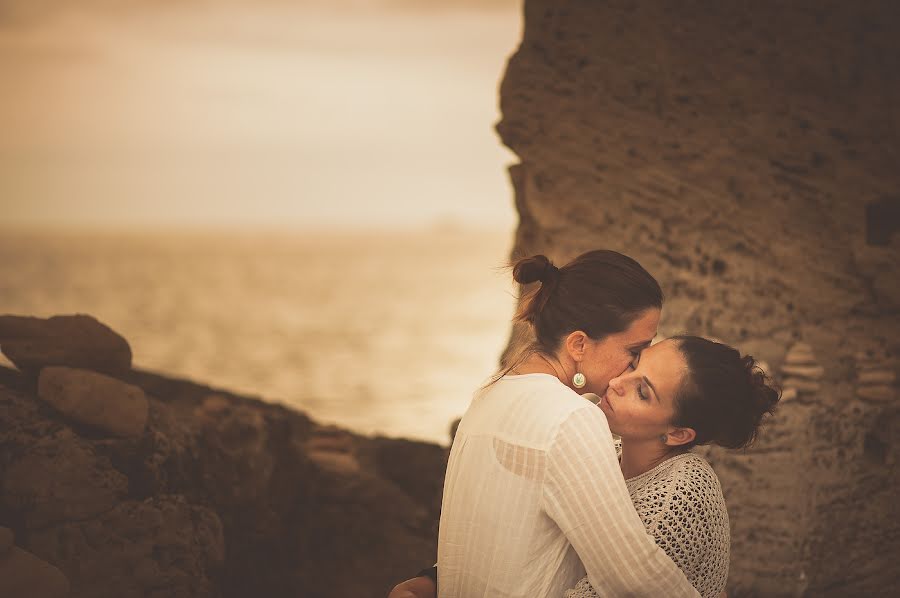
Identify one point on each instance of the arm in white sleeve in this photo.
(585, 494)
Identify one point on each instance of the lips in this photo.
(604, 401)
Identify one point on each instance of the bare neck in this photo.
(538, 363)
(640, 456)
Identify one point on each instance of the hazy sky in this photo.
(359, 114)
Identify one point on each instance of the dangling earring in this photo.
(578, 380)
(664, 438)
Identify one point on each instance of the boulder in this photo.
(96, 400)
(74, 340)
(162, 546)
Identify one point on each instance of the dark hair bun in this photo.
(533, 269)
(600, 292)
(724, 396)
(764, 395)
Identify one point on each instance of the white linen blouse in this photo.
(681, 504)
(534, 499)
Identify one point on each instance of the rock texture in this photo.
(216, 495)
(746, 155)
(74, 340)
(95, 400)
(23, 575)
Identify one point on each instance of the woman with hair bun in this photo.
(534, 494)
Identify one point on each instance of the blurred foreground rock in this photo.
(78, 341)
(141, 485)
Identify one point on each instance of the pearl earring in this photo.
(578, 380)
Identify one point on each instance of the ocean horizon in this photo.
(382, 332)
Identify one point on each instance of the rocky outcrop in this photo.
(746, 155)
(141, 485)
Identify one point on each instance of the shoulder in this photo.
(541, 394)
(695, 495)
(693, 474)
(532, 410)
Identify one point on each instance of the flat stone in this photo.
(813, 372)
(800, 354)
(877, 377)
(96, 400)
(802, 384)
(876, 393)
(75, 341)
(7, 538)
(24, 575)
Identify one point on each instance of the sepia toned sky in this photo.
(267, 114)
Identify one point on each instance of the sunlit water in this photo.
(381, 333)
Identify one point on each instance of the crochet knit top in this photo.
(681, 504)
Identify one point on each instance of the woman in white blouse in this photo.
(534, 496)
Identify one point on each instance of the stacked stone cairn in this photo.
(876, 378)
(800, 373)
(65, 354)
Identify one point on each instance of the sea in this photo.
(384, 333)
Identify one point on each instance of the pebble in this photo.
(876, 393)
(877, 377)
(800, 354)
(96, 400)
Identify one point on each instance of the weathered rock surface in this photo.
(6, 540)
(96, 400)
(77, 341)
(23, 575)
(734, 151)
(220, 496)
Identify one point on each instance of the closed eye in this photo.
(640, 391)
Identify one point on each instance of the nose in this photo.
(616, 385)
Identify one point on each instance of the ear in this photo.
(680, 436)
(575, 344)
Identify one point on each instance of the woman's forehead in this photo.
(664, 365)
